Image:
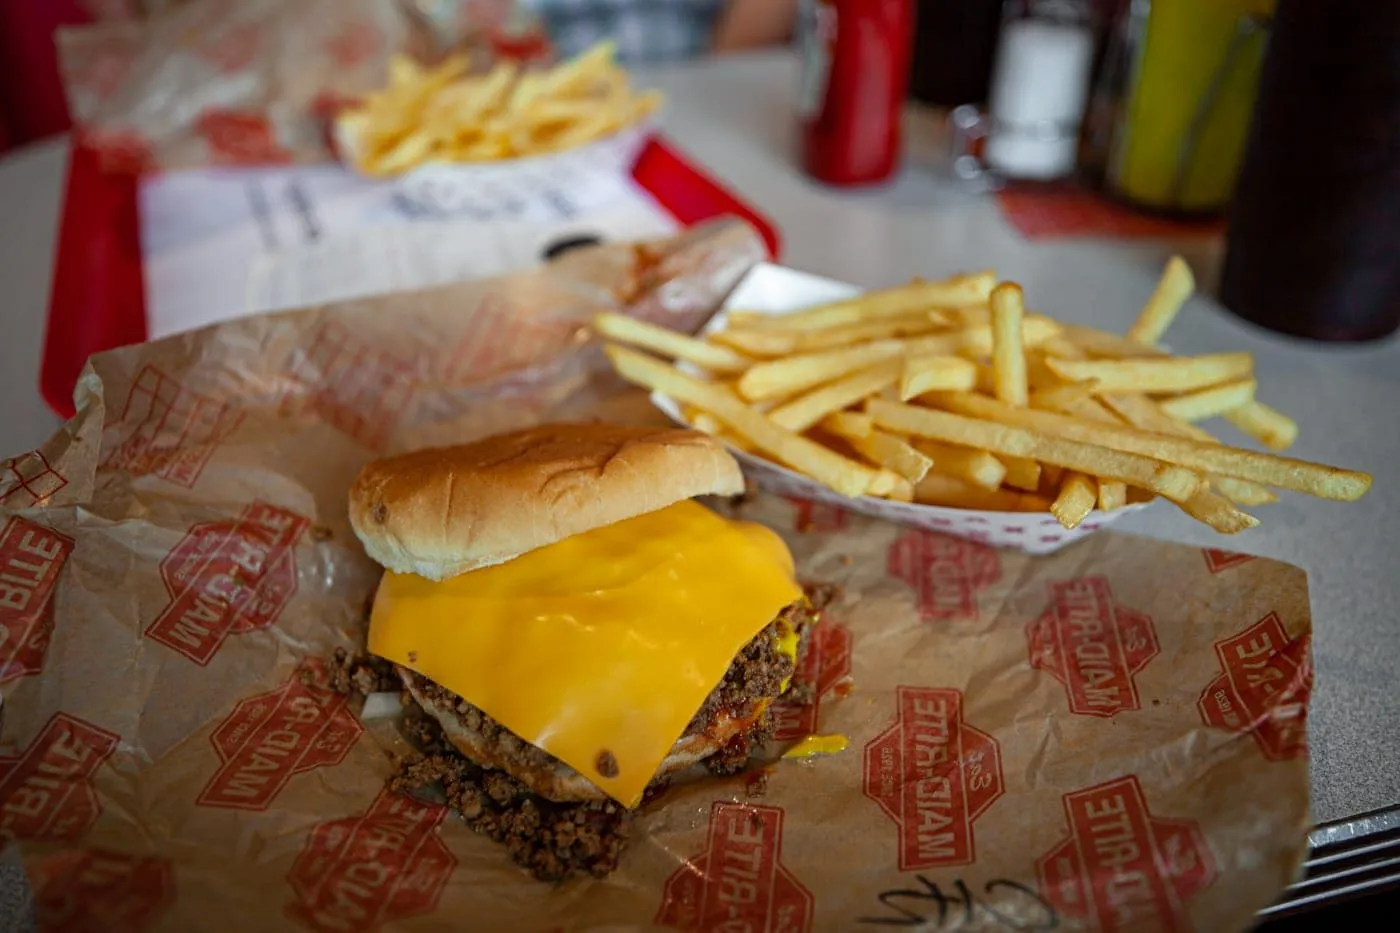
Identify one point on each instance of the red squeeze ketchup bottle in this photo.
(855, 69)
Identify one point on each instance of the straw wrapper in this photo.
(1110, 738)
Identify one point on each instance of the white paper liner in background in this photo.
(774, 289)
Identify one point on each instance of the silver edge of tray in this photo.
(1346, 859)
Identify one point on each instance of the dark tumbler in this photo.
(1314, 228)
(954, 43)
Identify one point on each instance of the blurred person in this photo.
(664, 30)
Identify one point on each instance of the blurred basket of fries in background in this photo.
(948, 405)
(445, 115)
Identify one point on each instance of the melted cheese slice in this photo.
(608, 641)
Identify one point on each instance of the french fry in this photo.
(806, 410)
(444, 114)
(886, 303)
(1173, 374)
(824, 465)
(1112, 495)
(1142, 412)
(977, 341)
(756, 343)
(1008, 352)
(1174, 482)
(1068, 398)
(1207, 403)
(928, 372)
(1103, 345)
(848, 424)
(669, 343)
(1268, 426)
(701, 420)
(922, 322)
(1015, 411)
(892, 453)
(903, 491)
(1078, 493)
(951, 492)
(1315, 479)
(976, 467)
(1021, 473)
(1217, 512)
(796, 373)
(1173, 288)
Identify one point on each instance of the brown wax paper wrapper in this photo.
(248, 82)
(1109, 738)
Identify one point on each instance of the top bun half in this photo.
(447, 510)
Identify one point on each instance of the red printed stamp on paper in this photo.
(28, 480)
(31, 558)
(228, 577)
(85, 891)
(1264, 690)
(271, 737)
(1093, 646)
(1123, 869)
(357, 388)
(1216, 560)
(359, 873)
(946, 573)
(169, 431)
(739, 881)
(46, 792)
(934, 775)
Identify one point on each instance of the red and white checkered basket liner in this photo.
(774, 289)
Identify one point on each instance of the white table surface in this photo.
(735, 116)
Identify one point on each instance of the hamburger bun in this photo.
(444, 511)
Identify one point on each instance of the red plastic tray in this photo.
(99, 302)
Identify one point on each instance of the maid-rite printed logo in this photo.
(357, 388)
(169, 430)
(946, 573)
(31, 558)
(1264, 690)
(934, 775)
(228, 577)
(811, 517)
(91, 890)
(271, 737)
(739, 881)
(827, 661)
(46, 792)
(1123, 869)
(1093, 646)
(359, 873)
(1216, 560)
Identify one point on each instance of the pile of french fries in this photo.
(442, 114)
(951, 393)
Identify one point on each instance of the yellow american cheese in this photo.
(608, 641)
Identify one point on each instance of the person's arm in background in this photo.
(749, 24)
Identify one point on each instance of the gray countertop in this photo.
(735, 116)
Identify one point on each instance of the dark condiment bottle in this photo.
(855, 69)
(1314, 235)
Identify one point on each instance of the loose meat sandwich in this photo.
(576, 628)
